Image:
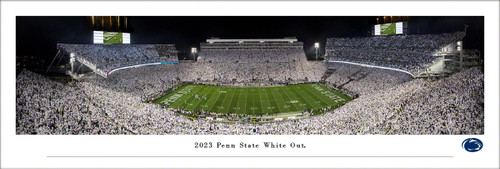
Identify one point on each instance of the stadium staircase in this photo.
(358, 75)
(458, 38)
(327, 74)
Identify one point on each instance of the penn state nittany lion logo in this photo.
(472, 144)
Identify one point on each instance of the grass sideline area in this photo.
(253, 100)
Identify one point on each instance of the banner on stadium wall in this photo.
(103, 37)
(389, 28)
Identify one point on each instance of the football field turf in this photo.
(253, 100)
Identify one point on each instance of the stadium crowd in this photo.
(106, 57)
(426, 43)
(252, 55)
(387, 102)
(258, 64)
(45, 106)
(364, 80)
(412, 53)
(97, 107)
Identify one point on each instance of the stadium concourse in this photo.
(386, 101)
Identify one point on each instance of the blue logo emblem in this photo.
(472, 144)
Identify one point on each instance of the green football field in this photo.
(253, 100)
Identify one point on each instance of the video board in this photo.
(389, 28)
(103, 37)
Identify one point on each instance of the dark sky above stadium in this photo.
(37, 36)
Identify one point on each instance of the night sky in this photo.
(37, 36)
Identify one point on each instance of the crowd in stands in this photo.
(254, 72)
(249, 65)
(452, 105)
(252, 55)
(147, 81)
(44, 106)
(426, 43)
(411, 62)
(455, 105)
(362, 80)
(412, 53)
(387, 102)
(106, 57)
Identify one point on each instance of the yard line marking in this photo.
(272, 93)
(242, 107)
(223, 98)
(200, 100)
(231, 100)
(208, 102)
(246, 101)
(261, 103)
(270, 101)
(187, 97)
(286, 94)
(303, 96)
(312, 94)
(215, 101)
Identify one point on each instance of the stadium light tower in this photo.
(316, 46)
(72, 60)
(193, 52)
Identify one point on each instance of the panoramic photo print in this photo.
(249, 75)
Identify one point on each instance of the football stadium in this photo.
(392, 78)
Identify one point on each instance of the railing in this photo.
(91, 66)
(140, 65)
(371, 66)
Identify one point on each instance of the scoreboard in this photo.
(389, 28)
(103, 37)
